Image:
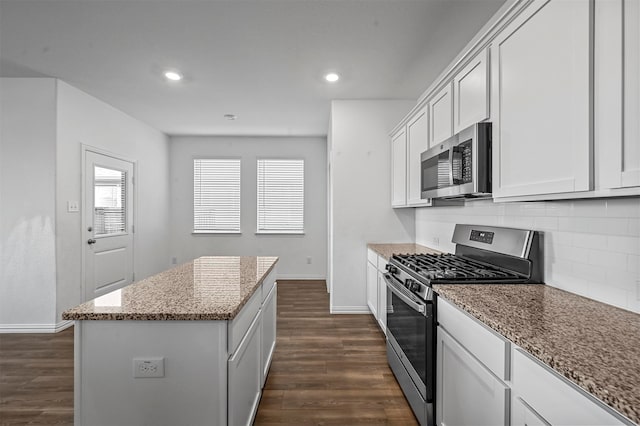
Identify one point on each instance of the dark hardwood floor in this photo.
(327, 370)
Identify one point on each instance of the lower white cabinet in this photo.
(245, 377)
(483, 379)
(269, 308)
(467, 393)
(541, 396)
(377, 288)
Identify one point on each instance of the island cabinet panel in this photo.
(541, 85)
(542, 395)
(467, 393)
(245, 377)
(192, 391)
(269, 320)
(240, 324)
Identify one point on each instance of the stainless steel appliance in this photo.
(459, 167)
(483, 254)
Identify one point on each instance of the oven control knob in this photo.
(409, 283)
(415, 287)
(392, 269)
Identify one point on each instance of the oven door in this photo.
(410, 332)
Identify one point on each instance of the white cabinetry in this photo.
(441, 115)
(244, 375)
(471, 364)
(540, 101)
(377, 288)
(617, 93)
(541, 396)
(470, 93)
(269, 308)
(417, 143)
(399, 168)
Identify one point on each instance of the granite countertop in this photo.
(387, 250)
(596, 346)
(207, 288)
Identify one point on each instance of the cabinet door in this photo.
(382, 302)
(630, 173)
(372, 288)
(467, 393)
(244, 375)
(399, 169)
(440, 116)
(541, 86)
(269, 310)
(523, 415)
(417, 142)
(471, 94)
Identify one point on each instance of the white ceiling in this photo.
(260, 59)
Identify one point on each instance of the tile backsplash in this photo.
(591, 247)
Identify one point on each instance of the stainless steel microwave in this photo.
(460, 166)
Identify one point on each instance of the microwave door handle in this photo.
(392, 286)
(451, 152)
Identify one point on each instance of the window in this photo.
(216, 195)
(281, 196)
(109, 189)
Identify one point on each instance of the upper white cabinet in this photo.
(540, 71)
(471, 93)
(441, 115)
(417, 143)
(399, 168)
(617, 93)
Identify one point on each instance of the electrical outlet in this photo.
(174, 260)
(148, 367)
(308, 260)
(436, 240)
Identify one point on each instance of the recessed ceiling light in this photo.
(173, 75)
(230, 116)
(332, 77)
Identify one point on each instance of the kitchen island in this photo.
(191, 345)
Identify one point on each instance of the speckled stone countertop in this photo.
(207, 288)
(387, 250)
(595, 345)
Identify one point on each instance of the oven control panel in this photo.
(481, 236)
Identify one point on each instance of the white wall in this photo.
(27, 194)
(293, 250)
(591, 247)
(361, 210)
(83, 119)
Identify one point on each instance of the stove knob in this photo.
(392, 269)
(409, 283)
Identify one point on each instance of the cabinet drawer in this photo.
(240, 324)
(372, 256)
(554, 398)
(489, 348)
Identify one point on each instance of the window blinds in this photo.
(280, 196)
(216, 195)
(109, 190)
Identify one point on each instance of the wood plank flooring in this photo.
(36, 378)
(327, 370)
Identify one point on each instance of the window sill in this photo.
(279, 232)
(203, 232)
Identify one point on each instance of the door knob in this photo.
(91, 241)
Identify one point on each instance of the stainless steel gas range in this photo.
(483, 254)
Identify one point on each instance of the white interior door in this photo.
(107, 223)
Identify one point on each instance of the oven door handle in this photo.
(406, 299)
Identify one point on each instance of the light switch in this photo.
(73, 206)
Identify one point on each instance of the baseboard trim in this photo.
(349, 310)
(300, 277)
(35, 328)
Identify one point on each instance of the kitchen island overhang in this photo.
(209, 324)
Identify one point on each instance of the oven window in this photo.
(435, 172)
(409, 328)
